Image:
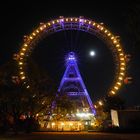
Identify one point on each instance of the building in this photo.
(126, 119)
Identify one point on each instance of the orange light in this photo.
(100, 103)
(112, 37)
(123, 64)
(20, 63)
(117, 45)
(23, 77)
(102, 28)
(62, 123)
(113, 92)
(31, 37)
(119, 50)
(44, 25)
(121, 54)
(41, 28)
(34, 34)
(37, 31)
(122, 58)
(109, 34)
(23, 49)
(89, 22)
(22, 53)
(25, 45)
(53, 123)
(120, 78)
(21, 72)
(121, 73)
(118, 83)
(116, 88)
(115, 41)
(122, 68)
(71, 124)
(94, 24)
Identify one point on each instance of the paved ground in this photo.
(71, 136)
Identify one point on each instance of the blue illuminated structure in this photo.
(73, 85)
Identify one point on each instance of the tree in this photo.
(64, 107)
(16, 100)
(113, 102)
(13, 97)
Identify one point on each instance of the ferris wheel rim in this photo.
(75, 23)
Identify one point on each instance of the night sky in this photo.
(20, 19)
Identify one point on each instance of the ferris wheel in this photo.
(80, 24)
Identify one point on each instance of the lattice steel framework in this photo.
(73, 85)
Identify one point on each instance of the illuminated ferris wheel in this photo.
(81, 24)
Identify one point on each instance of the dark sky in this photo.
(20, 19)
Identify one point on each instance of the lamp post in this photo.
(62, 124)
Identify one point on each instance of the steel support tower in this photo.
(73, 85)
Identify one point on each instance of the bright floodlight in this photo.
(71, 56)
(92, 53)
